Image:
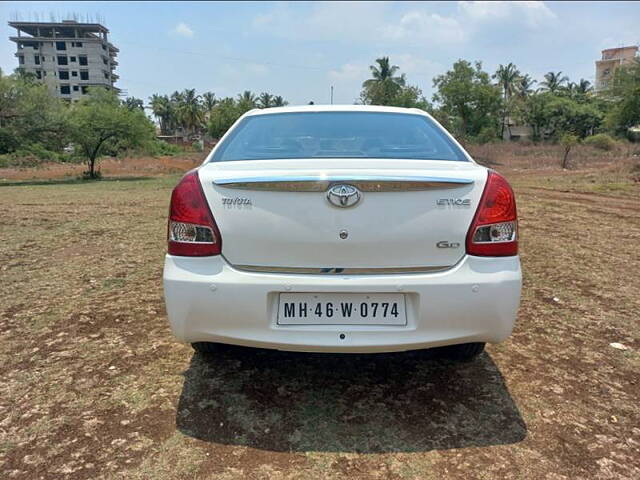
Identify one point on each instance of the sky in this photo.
(299, 50)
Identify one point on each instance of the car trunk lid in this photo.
(277, 215)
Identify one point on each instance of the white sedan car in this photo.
(342, 229)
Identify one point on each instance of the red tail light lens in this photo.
(192, 231)
(494, 231)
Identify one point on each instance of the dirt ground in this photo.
(94, 386)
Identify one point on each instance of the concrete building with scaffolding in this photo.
(68, 56)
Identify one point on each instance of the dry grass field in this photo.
(93, 385)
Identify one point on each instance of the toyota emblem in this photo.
(343, 195)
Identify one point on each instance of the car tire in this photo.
(465, 352)
(205, 347)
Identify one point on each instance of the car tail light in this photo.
(192, 231)
(494, 230)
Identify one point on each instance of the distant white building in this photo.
(67, 56)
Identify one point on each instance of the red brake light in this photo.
(192, 231)
(494, 230)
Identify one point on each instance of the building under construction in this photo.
(612, 58)
(68, 56)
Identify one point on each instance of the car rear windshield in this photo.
(337, 135)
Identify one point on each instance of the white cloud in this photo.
(533, 14)
(426, 27)
(183, 30)
(417, 68)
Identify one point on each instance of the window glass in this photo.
(338, 135)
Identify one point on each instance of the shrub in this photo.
(486, 135)
(31, 156)
(197, 146)
(601, 141)
(160, 147)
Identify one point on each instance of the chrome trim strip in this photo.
(320, 183)
(340, 271)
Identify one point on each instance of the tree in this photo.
(507, 77)
(246, 101)
(553, 116)
(524, 86)
(553, 82)
(410, 96)
(534, 113)
(465, 94)
(384, 85)
(387, 88)
(133, 103)
(100, 121)
(564, 115)
(163, 111)
(228, 110)
(624, 98)
(223, 115)
(189, 110)
(278, 101)
(383, 72)
(584, 86)
(265, 100)
(31, 116)
(209, 101)
(568, 141)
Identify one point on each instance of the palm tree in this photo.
(189, 110)
(265, 100)
(246, 101)
(553, 81)
(507, 77)
(584, 87)
(384, 85)
(176, 97)
(570, 89)
(278, 101)
(524, 86)
(384, 72)
(163, 111)
(209, 101)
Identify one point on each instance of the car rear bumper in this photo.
(210, 301)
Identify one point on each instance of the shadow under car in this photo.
(376, 403)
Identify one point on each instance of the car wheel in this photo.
(205, 347)
(465, 352)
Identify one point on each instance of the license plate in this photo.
(342, 309)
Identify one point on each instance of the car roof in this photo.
(334, 108)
